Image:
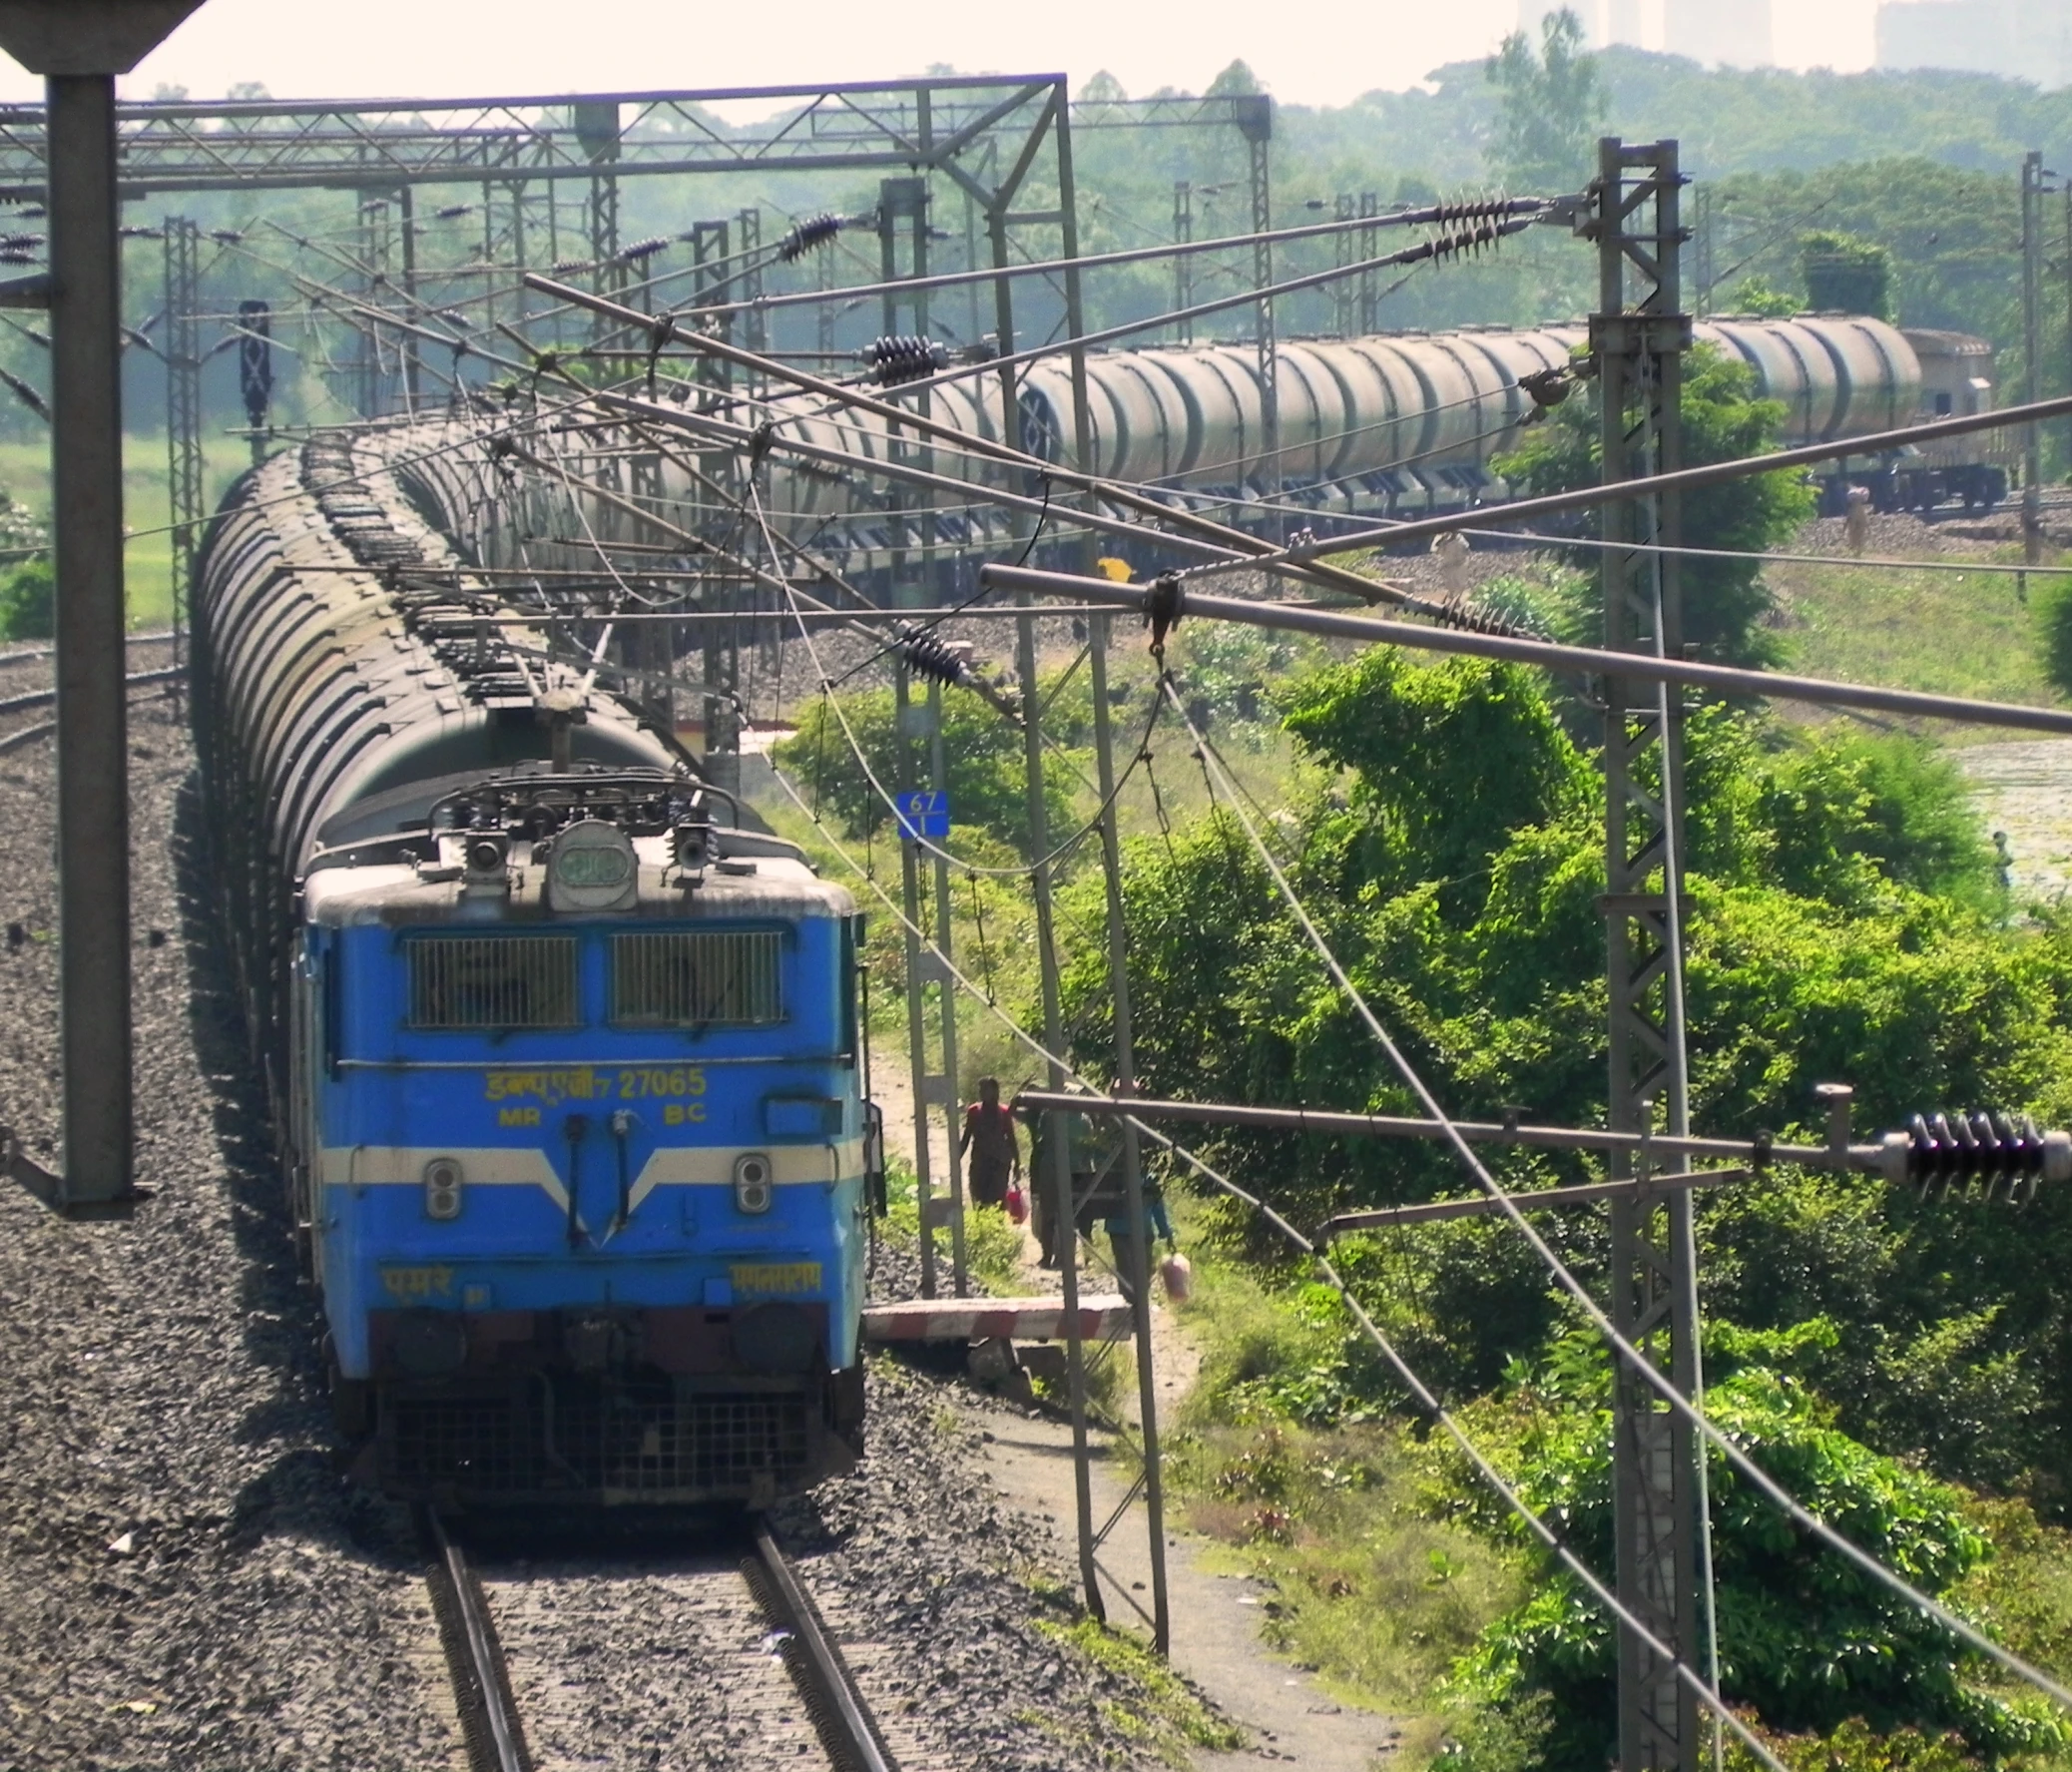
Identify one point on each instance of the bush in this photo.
(1778, 1591)
(28, 601)
(2054, 614)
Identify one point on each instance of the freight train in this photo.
(1401, 424)
(562, 1054)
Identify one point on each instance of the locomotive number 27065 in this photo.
(591, 1083)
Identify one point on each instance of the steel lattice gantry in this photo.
(281, 146)
(1639, 336)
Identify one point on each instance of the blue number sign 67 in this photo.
(924, 813)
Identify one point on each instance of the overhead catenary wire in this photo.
(1635, 1359)
(829, 702)
(1533, 1522)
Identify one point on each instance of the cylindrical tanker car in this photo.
(1396, 424)
(563, 1062)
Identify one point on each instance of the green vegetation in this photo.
(28, 601)
(1553, 109)
(1877, 1352)
(1167, 1717)
(1843, 273)
(1727, 605)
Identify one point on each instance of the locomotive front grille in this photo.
(493, 981)
(705, 978)
(561, 1435)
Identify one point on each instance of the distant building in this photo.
(1730, 32)
(2020, 39)
(1589, 13)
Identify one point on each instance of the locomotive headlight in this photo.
(443, 1188)
(751, 1183)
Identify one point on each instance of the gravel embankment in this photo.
(185, 1578)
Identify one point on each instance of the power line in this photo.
(1637, 1362)
(1705, 1695)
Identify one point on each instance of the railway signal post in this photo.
(78, 46)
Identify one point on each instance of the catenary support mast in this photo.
(1639, 336)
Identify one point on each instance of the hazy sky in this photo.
(468, 48)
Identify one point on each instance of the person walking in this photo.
(1123, 1240)
(989, 1143)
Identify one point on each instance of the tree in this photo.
(982, 754)
(1553, 108)
(1726, 603)
(1845, 274)
(1237, 80)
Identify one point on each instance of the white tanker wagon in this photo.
(1398, 424)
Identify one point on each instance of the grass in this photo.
(1165, 1714)
(1373, 1589)
(146, 508)
(1952, 633)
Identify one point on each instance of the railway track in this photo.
(714, 1656)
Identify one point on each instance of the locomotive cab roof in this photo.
(473, 849)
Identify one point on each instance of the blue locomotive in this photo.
(563, 1059)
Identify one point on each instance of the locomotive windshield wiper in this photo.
(575, 1128)
(622, 1124)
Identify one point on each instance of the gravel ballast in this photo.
(187, 1579)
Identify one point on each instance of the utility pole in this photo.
(1182, 262)
(1256, 124)
(1139, 1276)
(1344, 292)
(183, 467)
(903, 206)
(2033, 188)
(917, 972)
(1638, 336)
(79, 51)
(1370, 279)
(946, 1007)
(597, 133)
(1065, 1238)
(406, 343)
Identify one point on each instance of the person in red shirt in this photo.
(990, 1143)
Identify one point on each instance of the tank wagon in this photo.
(1398, 424)
(563, 1059)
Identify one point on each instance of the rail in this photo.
(830, 1688)
(490, 1690)
(840, 1715)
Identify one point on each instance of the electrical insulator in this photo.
(926, 656)
(805, 236)
(453, 211)
(1957, 1152)
(892, 361)
(642, 248)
